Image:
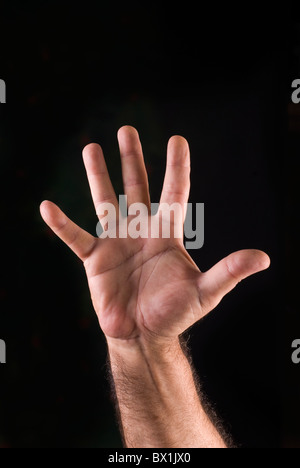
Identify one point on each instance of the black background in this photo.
(220, 76)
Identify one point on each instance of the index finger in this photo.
(99, 181)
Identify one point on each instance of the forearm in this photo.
(157, 397)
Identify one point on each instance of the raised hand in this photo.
(146, 288)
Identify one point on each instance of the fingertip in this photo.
(179, 151)
(45, 211)
(258, 259)
(178, 140)
(44, 207)
(264, 260)
(129, 141)
(91, 148)
(127, 130)
(247, 262)
(51, 214)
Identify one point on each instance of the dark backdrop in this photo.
(221, 77)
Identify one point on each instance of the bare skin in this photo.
(146, 293)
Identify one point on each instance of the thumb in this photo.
(225, 275)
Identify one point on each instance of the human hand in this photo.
(146, 289)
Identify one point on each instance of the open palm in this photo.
(146, 287)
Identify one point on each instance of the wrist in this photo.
(158, 349)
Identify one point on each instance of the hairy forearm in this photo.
(157, 398)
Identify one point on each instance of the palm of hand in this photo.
(147, 287)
